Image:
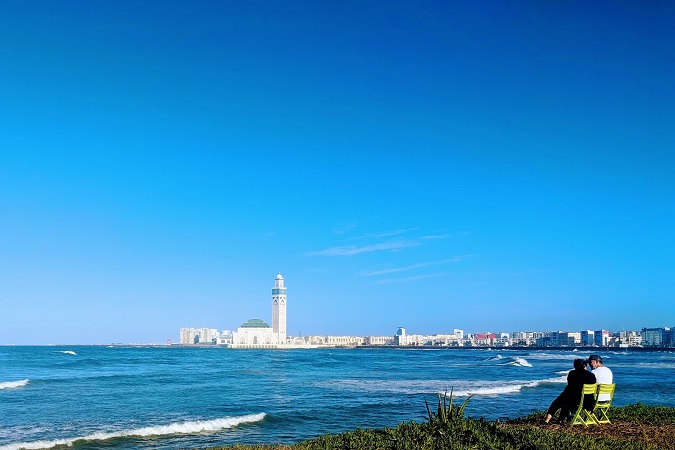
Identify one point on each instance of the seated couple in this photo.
(569, 398)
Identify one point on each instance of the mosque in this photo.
(256, 333)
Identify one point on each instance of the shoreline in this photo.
(361, 347)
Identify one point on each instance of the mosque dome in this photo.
(279, 277)
(255, 323)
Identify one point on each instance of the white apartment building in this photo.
(191, 336)
(347, 341)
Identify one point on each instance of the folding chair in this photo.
(583, 416)
(601, 407)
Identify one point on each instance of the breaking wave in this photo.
(13, 384)
(68, 352)
(507, 388)
(459, 388)
(517, 361)
(197, 426)
(494, 358)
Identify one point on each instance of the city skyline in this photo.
(490, 165)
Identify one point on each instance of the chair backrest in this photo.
(589, 396)
(590, 389)
(607, 392)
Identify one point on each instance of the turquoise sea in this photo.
(122, 397)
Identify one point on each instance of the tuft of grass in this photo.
(446, 412)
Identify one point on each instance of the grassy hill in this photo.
(634, 427)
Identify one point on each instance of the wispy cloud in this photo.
(416, 266)
(390, 233)
(344, 228)
(408, 279)
(436, 236)
(349, 250)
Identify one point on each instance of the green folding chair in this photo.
(583, 416)
(601, 407)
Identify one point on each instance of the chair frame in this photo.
(601, 407)
(583, 416)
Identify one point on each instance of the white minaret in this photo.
(279, 309)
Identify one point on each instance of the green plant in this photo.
(446, 412)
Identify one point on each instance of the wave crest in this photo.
(13, 384)
(197, 426)
(517, 361)
(507, 388)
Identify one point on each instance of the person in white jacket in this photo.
(602, 374)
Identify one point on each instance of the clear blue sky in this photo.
(494, 166)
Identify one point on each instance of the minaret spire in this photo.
(279, 309)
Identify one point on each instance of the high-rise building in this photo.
(656, 337)
(279, 309)
(601, 338)
(587, 338)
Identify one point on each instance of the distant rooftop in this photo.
(255, 323)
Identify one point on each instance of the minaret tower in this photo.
(279, 309)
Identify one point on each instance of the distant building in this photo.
(656, 337)
(279, 309)
(400, 337)
(523, 338)
(587, 338)
(188, 336)
(574, 338)
(379, 340)
(346, 341)
(256, 333)
(191, 336)
(601, 338)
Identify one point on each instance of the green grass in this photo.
(448, 429)
(638, 413)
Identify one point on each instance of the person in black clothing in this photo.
(569, 398)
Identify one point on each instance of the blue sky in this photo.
(494, 166)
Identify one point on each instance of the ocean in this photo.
(133, 397)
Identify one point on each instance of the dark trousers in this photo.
(560, 403)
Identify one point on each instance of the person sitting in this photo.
(570, 396)
(602, 374)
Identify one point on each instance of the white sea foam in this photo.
(495, 358)
(517, 361)
(511, 388)
(68, 352)
(13, 384)
(460, 388)
(198, 426)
